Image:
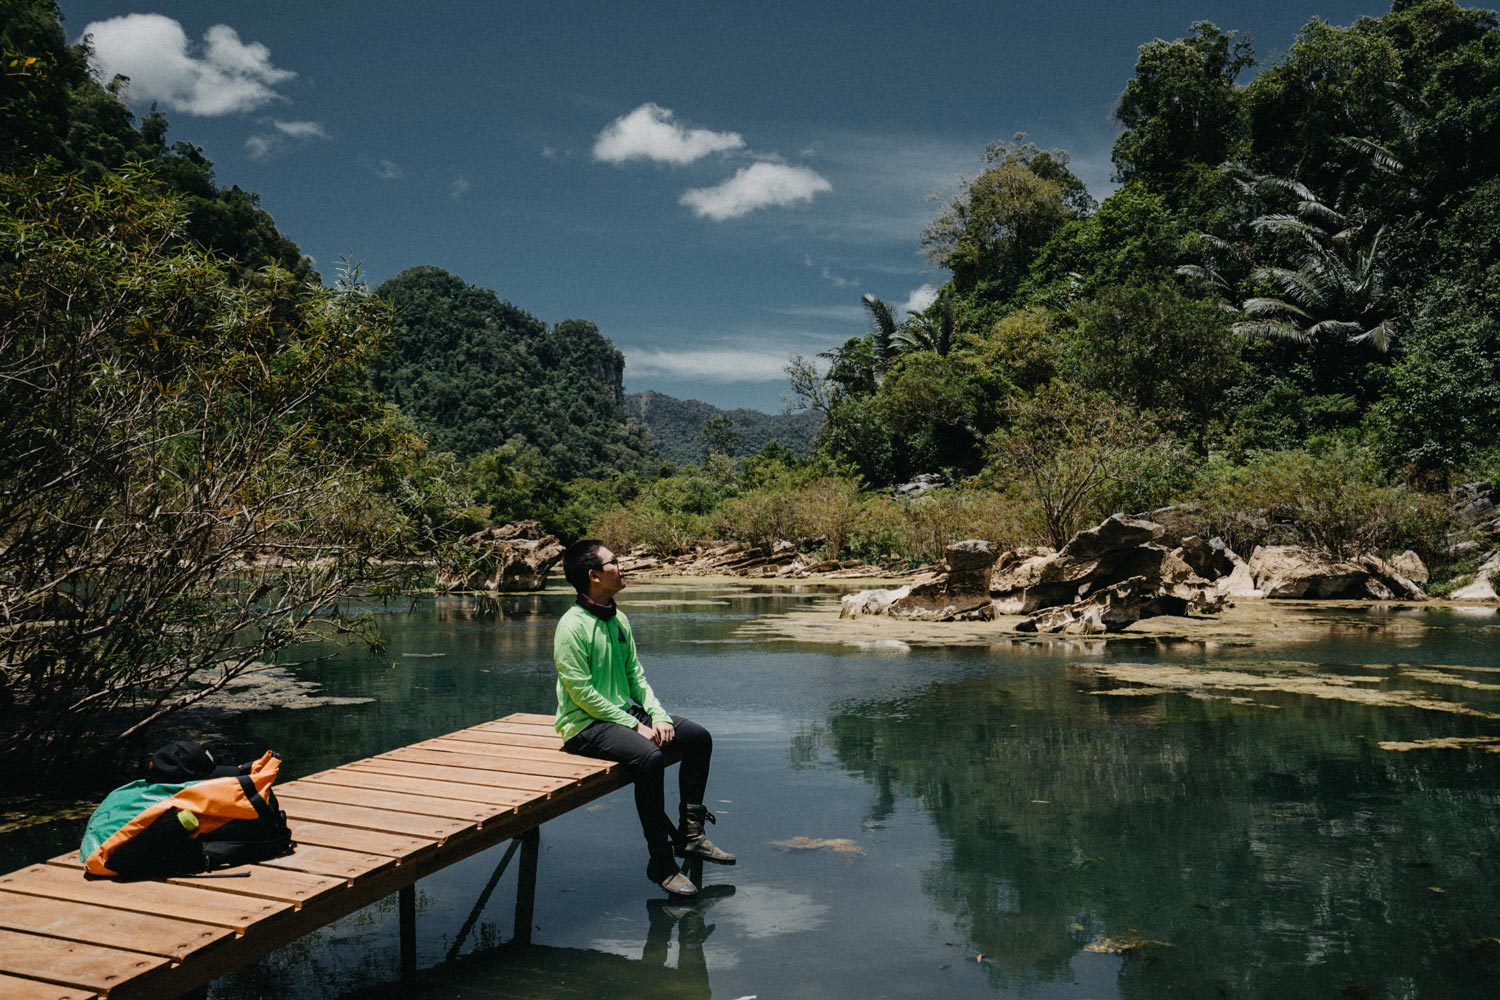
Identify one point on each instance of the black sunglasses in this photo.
(613, 562)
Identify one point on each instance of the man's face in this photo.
(606, 581)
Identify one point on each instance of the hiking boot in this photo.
(665, 873)
(691, 841)
(678, 884)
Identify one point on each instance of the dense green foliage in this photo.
(530, 409)
(477, 373)
(196, 472)
(1304, 264)
(56, 117)
(677, 426)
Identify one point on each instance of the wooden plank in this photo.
(521, 762)
(74, 963)
(546, 731)
(181, 902)
(144, 932)
(504, 742)
(437, 772)
(348, 838)
(395, 802)
(458, 791)
(478, 762)
(528, 719)
(480, 734)
(347, 865)
(244, 880)
(337, 814)
(12, 988)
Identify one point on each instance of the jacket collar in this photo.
(604, 612)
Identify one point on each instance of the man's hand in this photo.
(661, 733)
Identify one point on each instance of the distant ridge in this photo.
(676, 426)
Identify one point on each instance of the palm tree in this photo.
(1338, 286)
(1335, 283)
(882, 330)
(932, 329)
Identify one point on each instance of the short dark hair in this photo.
(578, 559)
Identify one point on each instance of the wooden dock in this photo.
(363, 830)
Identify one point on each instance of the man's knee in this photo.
(693, 736)
(648, 763)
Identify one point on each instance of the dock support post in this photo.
(531, 842)
(406, 905)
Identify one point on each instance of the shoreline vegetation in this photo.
(1283, 324)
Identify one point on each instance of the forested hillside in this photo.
(476, 373)
(682, 430)
(53, 112)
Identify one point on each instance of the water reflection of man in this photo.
(692, 931)
(605, 709)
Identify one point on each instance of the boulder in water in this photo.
(516, 557)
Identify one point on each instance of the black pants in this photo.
(647, 762)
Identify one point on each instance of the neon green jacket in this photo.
(598, 673)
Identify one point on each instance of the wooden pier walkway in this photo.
(363, 830)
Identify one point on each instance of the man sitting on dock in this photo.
(605, 709)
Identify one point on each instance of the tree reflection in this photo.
(1276, 852)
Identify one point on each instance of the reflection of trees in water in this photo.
(1279, 851)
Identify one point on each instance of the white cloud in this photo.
(649, 133)
(920, 298)
(827, 274)
(230, 76)
(301, 130)
(459, 188)
(759, 185)
(261, 146)
(711, 364)
(387, 170)
(264, 145)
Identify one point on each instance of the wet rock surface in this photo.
(1482, 586)
(960, 591)
(1110, 576)
(870, 602)
(516, 557)
(782, 561)
(1127, 569)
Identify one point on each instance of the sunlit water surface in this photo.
(1006, 829)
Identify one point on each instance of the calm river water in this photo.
(990, 827)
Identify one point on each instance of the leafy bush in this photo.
(830, 507)
(1070, 457)
(918, 530)
(1329, 501)
(644, 524)
(764, 517)
(196, 471)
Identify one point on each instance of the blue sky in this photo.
(714, 184)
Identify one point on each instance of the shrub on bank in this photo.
(917, 531)
(1330, 501)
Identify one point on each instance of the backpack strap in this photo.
(262, 807)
